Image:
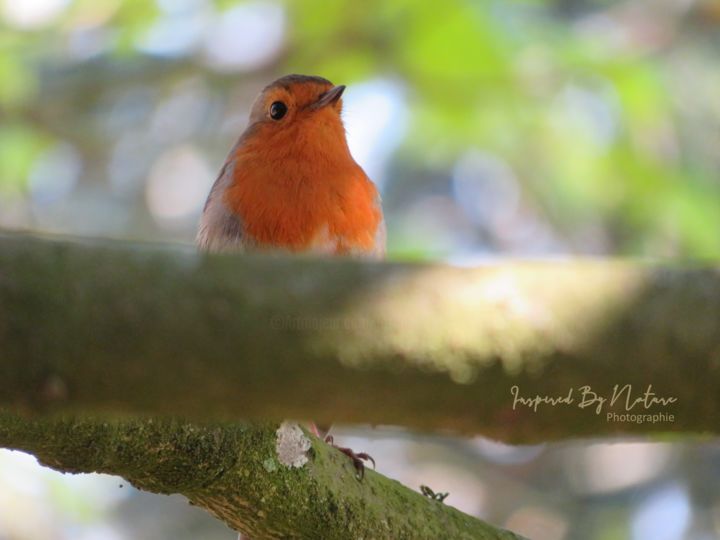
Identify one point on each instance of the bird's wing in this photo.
(220, 229)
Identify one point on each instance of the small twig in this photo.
(430, 494)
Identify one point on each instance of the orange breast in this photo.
(305, 207)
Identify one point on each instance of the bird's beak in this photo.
(329, 97)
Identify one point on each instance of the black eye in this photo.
(277, 110)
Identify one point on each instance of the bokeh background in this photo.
(493, 128)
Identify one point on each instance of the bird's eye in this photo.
(277, 110)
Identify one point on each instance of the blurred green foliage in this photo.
(604, 111)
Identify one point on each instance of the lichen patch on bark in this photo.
(292, 445)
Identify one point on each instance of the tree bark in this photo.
(245, 477)
(143, 329)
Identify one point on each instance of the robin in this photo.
(290, 184)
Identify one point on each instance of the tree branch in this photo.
(238, 474)
(145, 329)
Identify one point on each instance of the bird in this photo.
(290, 184)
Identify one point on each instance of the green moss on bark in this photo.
(225, 470)
(144, 329)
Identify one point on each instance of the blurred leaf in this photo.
(130, 22)
(19, 146)
(17, 81)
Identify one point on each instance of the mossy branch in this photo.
(161, 330)
(238, 474)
